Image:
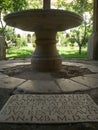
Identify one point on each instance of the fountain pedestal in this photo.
(46, 57)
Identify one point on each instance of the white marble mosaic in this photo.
(62, 108)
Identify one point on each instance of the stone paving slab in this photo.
(37, 86)
(10, 82)
(91, 65)
(67, 85)
(87, 81)
(40, 76)
(49, 109)
(92, 68)
(3, 76)
(92, 75)
(12, 63)
(73, 64)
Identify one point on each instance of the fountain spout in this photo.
(46, 4)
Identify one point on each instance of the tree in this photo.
(80, 7)
(34, 4)
(64, 4)
(9, 6)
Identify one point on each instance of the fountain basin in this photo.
(45, 23)
(39, 19)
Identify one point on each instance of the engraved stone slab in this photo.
(62, 108)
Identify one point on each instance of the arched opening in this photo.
(29, 40)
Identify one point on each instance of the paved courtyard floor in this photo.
(45, 84)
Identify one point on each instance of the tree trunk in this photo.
(80, 47)
(2, 40)
(2, 48)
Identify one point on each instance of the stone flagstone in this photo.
(87, 81)
(67, 85)
(41, 76)
(69, 108)
(91, 68)
(3, 76)
(92, 75)
(10, 82)
(37, 86)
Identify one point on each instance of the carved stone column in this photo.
(46, 57)
(93, 41)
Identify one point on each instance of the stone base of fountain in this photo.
(25, 72)
(46, 57)
(46, 65)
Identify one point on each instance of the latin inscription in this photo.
(49, 109)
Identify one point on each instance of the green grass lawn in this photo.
(16, 52)
(72, 52)
(67, 52)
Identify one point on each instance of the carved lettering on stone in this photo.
(49, 109)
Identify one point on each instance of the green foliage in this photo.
(7, 6)
(81, 6)
(61, 39)
(34, 4)
(19, 42)
(12, 5)
(9, 34)
(81, 33)
(78, 6)
(64, 5)
(12, 37)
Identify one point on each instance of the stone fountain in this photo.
(45, 23)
